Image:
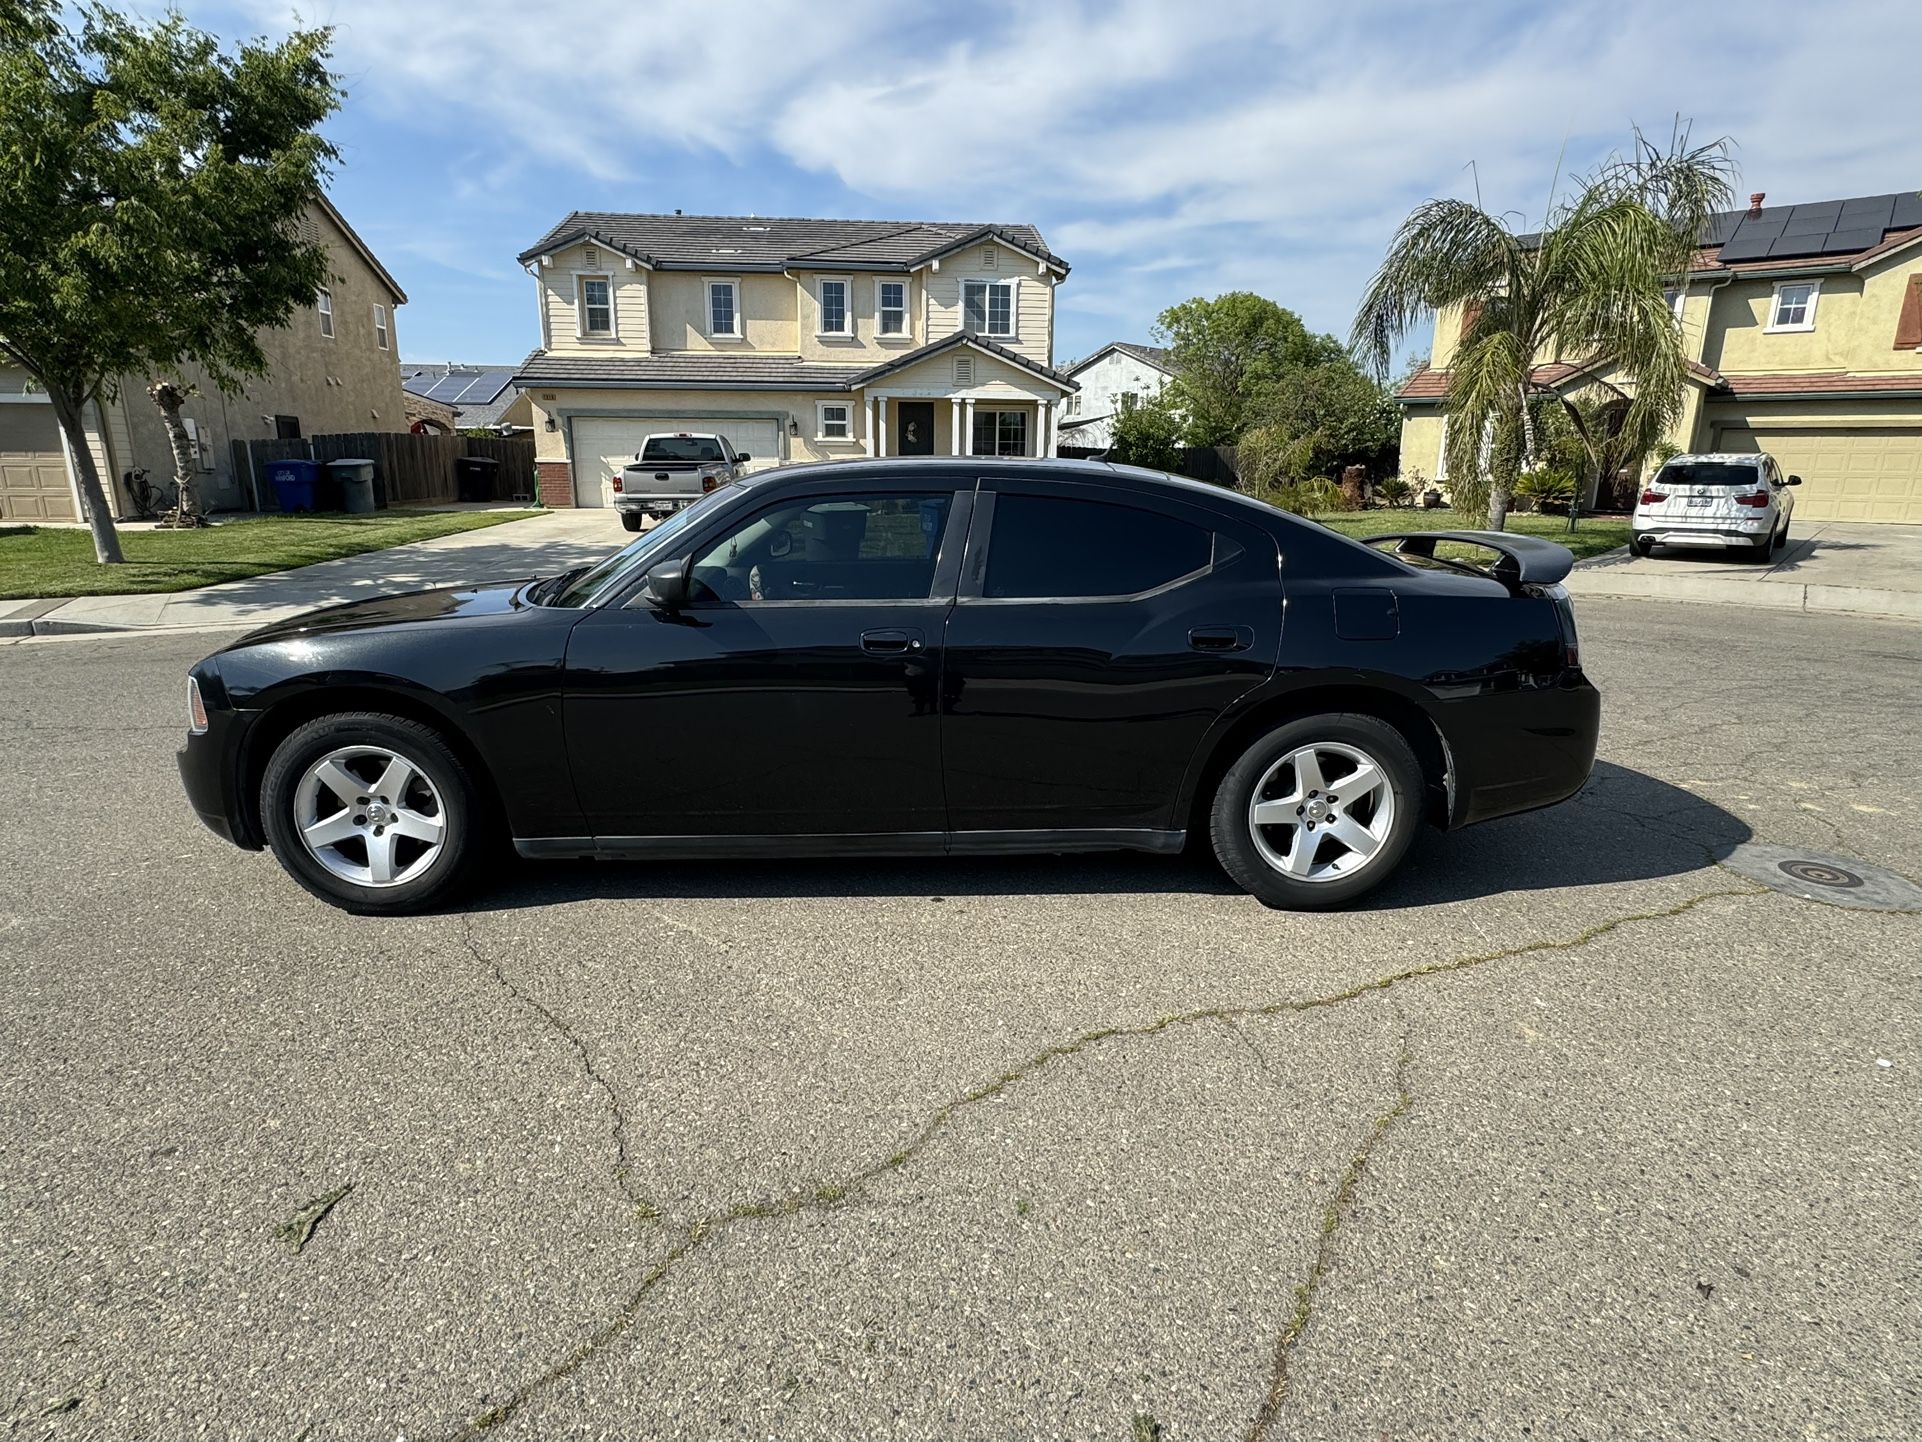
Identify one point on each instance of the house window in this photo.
(1074, 404)
(380, 326)
(1673, 295)
(891, 307)
(1128, 399)
(834, 307)
(834, 421)
(987, 307)
(1794, 307)
(597, 305)
(1000, 433)
(324, 303)
(723, 308)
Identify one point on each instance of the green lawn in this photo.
(58, 561)
(1592, 534)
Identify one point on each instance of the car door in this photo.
(1098, 631)
(795, 694)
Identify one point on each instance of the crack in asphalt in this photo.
(829, 1196)
(617, 1113)
(1334, 1213)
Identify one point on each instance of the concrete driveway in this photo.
(542, 545)
(1826, 566)
(1572, 1133)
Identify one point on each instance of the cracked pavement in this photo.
(1571, 1132)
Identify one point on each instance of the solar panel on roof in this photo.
(1785, 246)
(1907, 210)
(1821, 209)
(1800, 224)
(1747, 247)
(1840, 242)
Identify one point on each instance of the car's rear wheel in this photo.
(631, 520)
(372, 813)
(1641, 547)
(1318, 811)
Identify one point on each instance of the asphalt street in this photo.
(1572, 1132)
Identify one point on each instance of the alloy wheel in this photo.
(369, 815)
(1321, 812)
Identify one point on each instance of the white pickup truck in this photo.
(674, 470)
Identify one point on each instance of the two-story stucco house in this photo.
(333, 368)
(1803, 328)
(797, 339)
(1117, 375)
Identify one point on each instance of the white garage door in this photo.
(602, 445)
(1847, 475)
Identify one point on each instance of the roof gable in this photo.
(773, 243)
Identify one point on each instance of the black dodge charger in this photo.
(926, 657)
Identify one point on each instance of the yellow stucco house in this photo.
(799, 340)
(1803, 327)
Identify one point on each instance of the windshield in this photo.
(613, 571)
(1709, 473)
(681, 448)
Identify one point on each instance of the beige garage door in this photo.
(33, 472)
(1847, 475)
(603, 444)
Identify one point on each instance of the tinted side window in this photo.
(841, 548)
(1042, 546)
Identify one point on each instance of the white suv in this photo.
(1739, 501)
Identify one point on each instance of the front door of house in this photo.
(917, 428)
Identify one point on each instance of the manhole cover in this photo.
(1813, 876)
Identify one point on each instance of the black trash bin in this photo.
(475, 478)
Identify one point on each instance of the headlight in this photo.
(196, 708)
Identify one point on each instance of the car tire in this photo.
(1288, 863)
(1782, 537)
(1639, 547)
(356, 862)
(630, 520)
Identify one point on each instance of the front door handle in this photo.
(893, 642)
(1221, 638)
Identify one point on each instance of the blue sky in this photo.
(1166, 149)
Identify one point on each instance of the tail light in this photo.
(617, 484)
(1758, 500)
(709, 482)
(1654, 498)
(1565, 618)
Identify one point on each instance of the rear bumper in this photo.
(653, 505)
(1720, 533)
(1521, 750)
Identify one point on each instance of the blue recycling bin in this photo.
(293, 483)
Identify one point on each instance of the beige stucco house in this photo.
(333, 368)
(800, 340)
(1803, 327)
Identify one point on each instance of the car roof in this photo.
(1033, 467)
(1752, 458)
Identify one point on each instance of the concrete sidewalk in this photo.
(1834, 566)
(540, 546)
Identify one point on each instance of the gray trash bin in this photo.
(356, 481)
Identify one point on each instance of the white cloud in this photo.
(1165, 148)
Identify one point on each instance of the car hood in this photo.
(449, 603)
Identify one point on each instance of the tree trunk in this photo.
(106, 540)
(1528, 432)
(169, 398)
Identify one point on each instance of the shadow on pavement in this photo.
(1624, 826)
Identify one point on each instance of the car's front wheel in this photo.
(373, 813)
(1318, 811)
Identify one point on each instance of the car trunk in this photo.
(1701, 494)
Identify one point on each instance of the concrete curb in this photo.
(1806, 597)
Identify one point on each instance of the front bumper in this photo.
(210, 772)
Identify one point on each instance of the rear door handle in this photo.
(890, 642)
(1221, 638)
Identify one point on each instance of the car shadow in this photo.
(1624, 826)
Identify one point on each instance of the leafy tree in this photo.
(151, 189)
(1228, 353)
(1340, 415)
(1587, 287)
(1147, 433)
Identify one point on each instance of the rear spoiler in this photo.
(1520, 560)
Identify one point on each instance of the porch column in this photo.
(882, 435)
(1044, 433)
(867, 430)
(967, 446)
(954, 426)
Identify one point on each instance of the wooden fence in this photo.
(409, 470)
(1214, 464)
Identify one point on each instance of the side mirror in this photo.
(1795, 480)
(742, 456)
(666, 585)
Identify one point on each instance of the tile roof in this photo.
(1160, 357)
(684, 368)
(1761, 387)
(749, 242)
(1428, 384)
(959, 338)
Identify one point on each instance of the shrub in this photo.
(1544, 486)
(1394, 491)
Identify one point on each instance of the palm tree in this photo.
(1586, 288)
